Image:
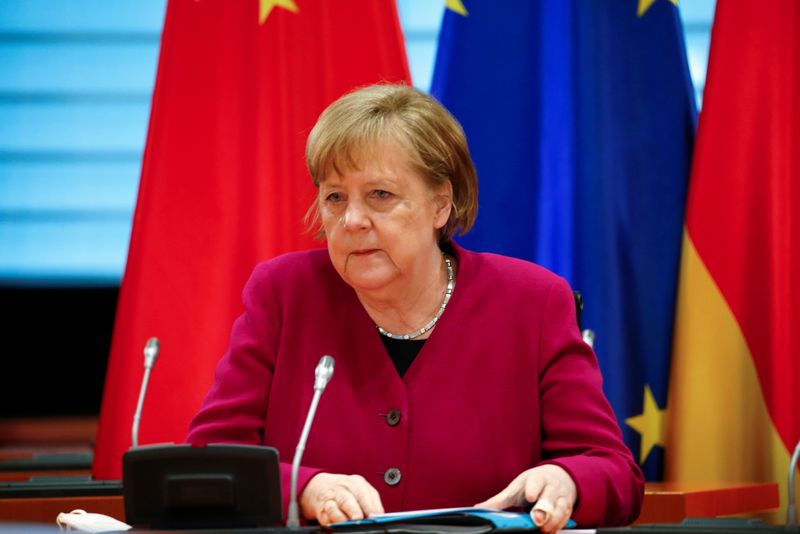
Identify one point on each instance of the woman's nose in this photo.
(355, 217)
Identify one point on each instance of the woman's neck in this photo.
(409, 305)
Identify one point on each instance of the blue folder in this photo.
(497, 519)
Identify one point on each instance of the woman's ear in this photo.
(443, 200)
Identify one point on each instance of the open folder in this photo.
(468, 519)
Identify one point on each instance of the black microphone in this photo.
(150, 354)
(322, 375)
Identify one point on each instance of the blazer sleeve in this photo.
(579, 429)
(235, 407)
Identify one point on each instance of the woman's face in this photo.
(381, 221)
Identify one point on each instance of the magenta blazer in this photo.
(503, 384)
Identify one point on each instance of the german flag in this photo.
(734, 398)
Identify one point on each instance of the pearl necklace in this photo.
(451, 285)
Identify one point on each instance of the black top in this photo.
(402, 351)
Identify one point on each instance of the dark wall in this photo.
(54, 344)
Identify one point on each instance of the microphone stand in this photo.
(791, 508)
(322, 375)
(150, 354)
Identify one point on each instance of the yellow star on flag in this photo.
(644, 5)
(457, 6)
(650, 424)
(265, 7)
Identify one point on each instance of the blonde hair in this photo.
(433, 139)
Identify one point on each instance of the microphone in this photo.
(322, 375)
(588, 337)
(150, 354)
(791, 509)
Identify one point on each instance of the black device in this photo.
(213, 486)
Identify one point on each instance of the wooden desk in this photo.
(23, 440)
(21, 476)
(45, 510)
(672, 502)
(47, 434)
(663, 503)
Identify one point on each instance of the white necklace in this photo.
(451, 285)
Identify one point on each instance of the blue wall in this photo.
(75, 85)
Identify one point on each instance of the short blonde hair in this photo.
(432, 137)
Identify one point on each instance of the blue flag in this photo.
(580, 117)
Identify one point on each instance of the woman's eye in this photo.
(333, 197)
(381, 194)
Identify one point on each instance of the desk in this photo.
(664, 502)
(45, 510)
(57, 447)
(671, 502)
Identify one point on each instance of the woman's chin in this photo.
(368, 281)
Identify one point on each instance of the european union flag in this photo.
(581, 117)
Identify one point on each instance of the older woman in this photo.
(461, 378)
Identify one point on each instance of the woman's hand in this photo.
(330, 498)
(549, 486)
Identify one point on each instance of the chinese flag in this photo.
(224, 184)
(734, 395)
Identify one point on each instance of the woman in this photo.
(461, 378)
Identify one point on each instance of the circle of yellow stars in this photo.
(457, 6)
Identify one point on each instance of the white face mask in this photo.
(80, 521)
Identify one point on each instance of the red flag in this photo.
(224, 184)
(734, 395)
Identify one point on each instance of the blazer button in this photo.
(392, 476)
(393, 417)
